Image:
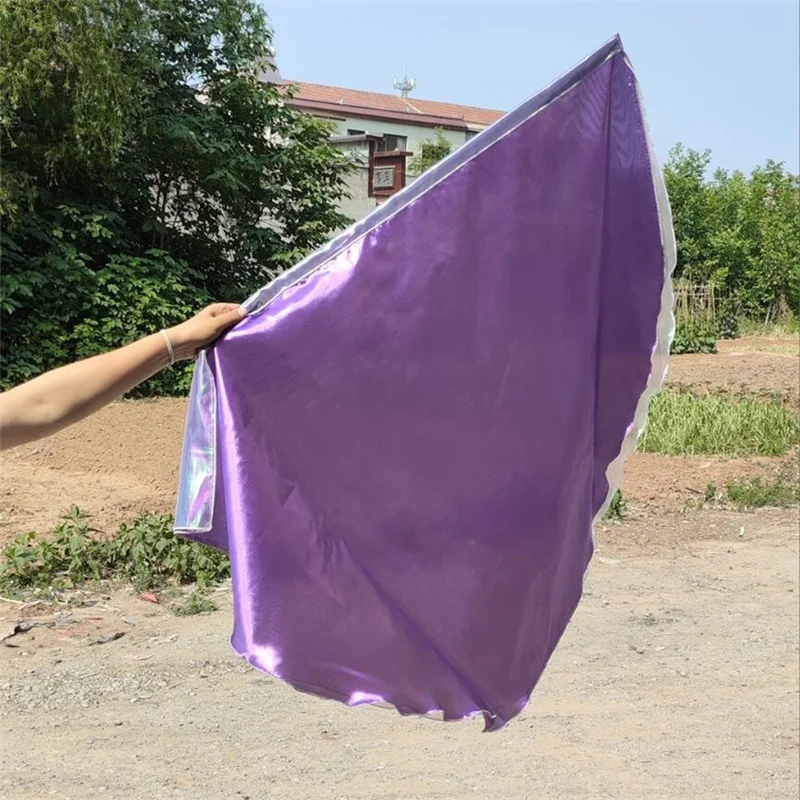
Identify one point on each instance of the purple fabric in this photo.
(412, 437)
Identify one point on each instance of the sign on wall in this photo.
(383, 178)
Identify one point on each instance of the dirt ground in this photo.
(678, 678)
(756, 364)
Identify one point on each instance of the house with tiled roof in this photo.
(382, 132)
(377, 113)
(385, 131)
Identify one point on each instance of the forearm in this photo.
(66, 395)
(61, 397)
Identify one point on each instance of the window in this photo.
(351, 132)
(390, 143)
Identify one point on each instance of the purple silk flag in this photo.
(405, 445)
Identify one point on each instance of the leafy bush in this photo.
(139, 180)
(681, 423)
(133, 297)
(146, 553)
(103, 309)
(694, 335)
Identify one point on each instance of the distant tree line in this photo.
(741, 232)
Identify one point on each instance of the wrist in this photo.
(182, 347)
(168, 343)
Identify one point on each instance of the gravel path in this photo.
(677, 679)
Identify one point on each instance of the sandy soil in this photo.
(676, 680)
(755, 364)
(118, 463)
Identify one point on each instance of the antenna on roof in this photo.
(405, 86)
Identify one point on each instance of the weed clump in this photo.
(145, 553)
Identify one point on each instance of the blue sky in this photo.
(718, 75)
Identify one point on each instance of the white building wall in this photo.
(359, 203)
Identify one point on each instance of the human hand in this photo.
(203, 328)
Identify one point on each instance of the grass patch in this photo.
(789, 325)
(684, 424)
(195, 602)
(145, 553)
(756, 493)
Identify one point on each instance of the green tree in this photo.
(772, 281)
(684, 173)
(146, 170)
(431, 151)
(741, 232)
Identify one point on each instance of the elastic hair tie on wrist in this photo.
(170, 349)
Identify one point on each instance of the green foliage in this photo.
(431, 151)
(146, 553)
(684, 424)
(196, 601)
(694, 335)
(65, 83)
(70, 555)
(617, 510)
(789, 326)
(756, 493)
(127, 298)
(728, 320)
(741, 232)
(684, 174)
(147, 170)
(132, 297)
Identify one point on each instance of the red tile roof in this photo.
(309, 93)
